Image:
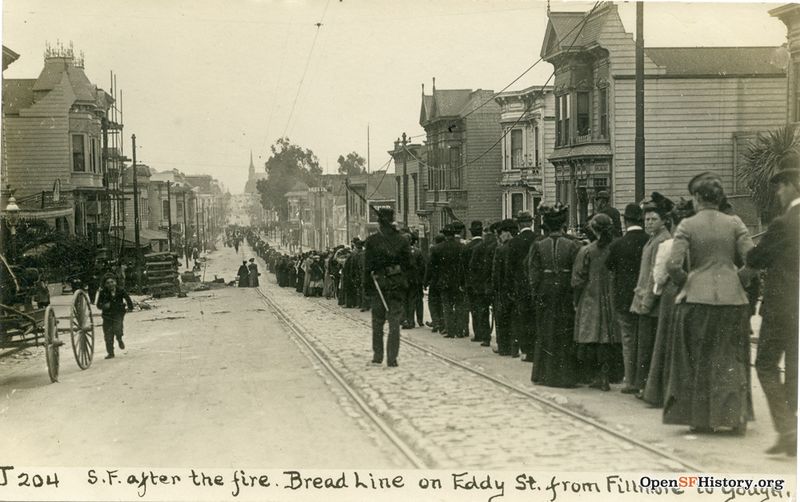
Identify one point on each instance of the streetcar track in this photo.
(298, 332)
(521, 391)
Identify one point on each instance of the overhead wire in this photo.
(305, 69)
(529, 68)
(527, 109)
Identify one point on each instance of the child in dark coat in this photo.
(112, 301)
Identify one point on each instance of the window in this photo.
(416, 191)
(179, 205)
(517, 204)
(165, 209)
(562, 120)
(78, 153)
(455, 167)
(604, 113)
(536, 160)
(582, 125)
(93, 157)
(398, 190)
(516, 148)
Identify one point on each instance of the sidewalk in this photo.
(716, 452)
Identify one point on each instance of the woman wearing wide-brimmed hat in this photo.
(595, 326)
(550, 264)
(710, 368)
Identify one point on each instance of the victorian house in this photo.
(702, 106)
(462, 157)
(528, 121)
(53, 132)
(408, 190)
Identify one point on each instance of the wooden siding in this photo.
(548, 171)
(620, 44)
(37, 144)
(690, 128)
(483, 176)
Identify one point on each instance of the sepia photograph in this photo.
(434, 250)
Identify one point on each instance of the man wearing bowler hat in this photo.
(387, 259)
(602, 206)
(522, 320)
(472, 287)
(778, 253)
(624, 261)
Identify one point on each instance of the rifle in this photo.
(378, 288)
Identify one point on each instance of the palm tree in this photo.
(762, 158)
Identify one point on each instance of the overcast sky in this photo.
(205, 81)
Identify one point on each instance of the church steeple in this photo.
(252, 173)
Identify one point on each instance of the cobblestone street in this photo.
(458, 419)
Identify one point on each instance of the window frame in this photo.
(517, 163)
(603, 97)
(583, 113)
(82, 152)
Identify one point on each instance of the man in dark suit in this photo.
(432, 283)
(446, 264)
(479, 273)
(522, 320)
(624, 260)
(471, 287)
(503, 293)
(777, 252)
(416, 277)
(387, 259)
(602, 206)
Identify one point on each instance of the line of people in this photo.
(663, 308)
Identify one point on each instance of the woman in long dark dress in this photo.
(550, 267)
(595, 323)
(709, 384)
(657, 378)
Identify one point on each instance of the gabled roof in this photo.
(9, 57)
(695, 61)
(17, 94)
(425, 108)
(566, 30)
(449, 102)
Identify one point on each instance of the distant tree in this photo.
(761, 161)
(288, 164)
(352, 164)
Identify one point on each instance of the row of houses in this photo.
(487, 156)
(63, 160)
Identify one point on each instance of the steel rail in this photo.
(540, 399)
(297, 331)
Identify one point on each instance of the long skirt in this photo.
(658, 376)
(554, 358)
(709, 376)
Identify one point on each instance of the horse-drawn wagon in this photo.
(22, 325)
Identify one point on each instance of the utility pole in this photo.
(169, 217)
(639, 146)
(185, 228)
(197, 219)
(404, 142)
(135, 199)
(367, 148)
(347, 209)
(203, 222)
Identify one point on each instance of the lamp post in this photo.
(12, 219)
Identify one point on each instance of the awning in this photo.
(587, 150)
(146, 235)
(44, 214)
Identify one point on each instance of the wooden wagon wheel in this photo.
(51, 342)
(81, 327)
